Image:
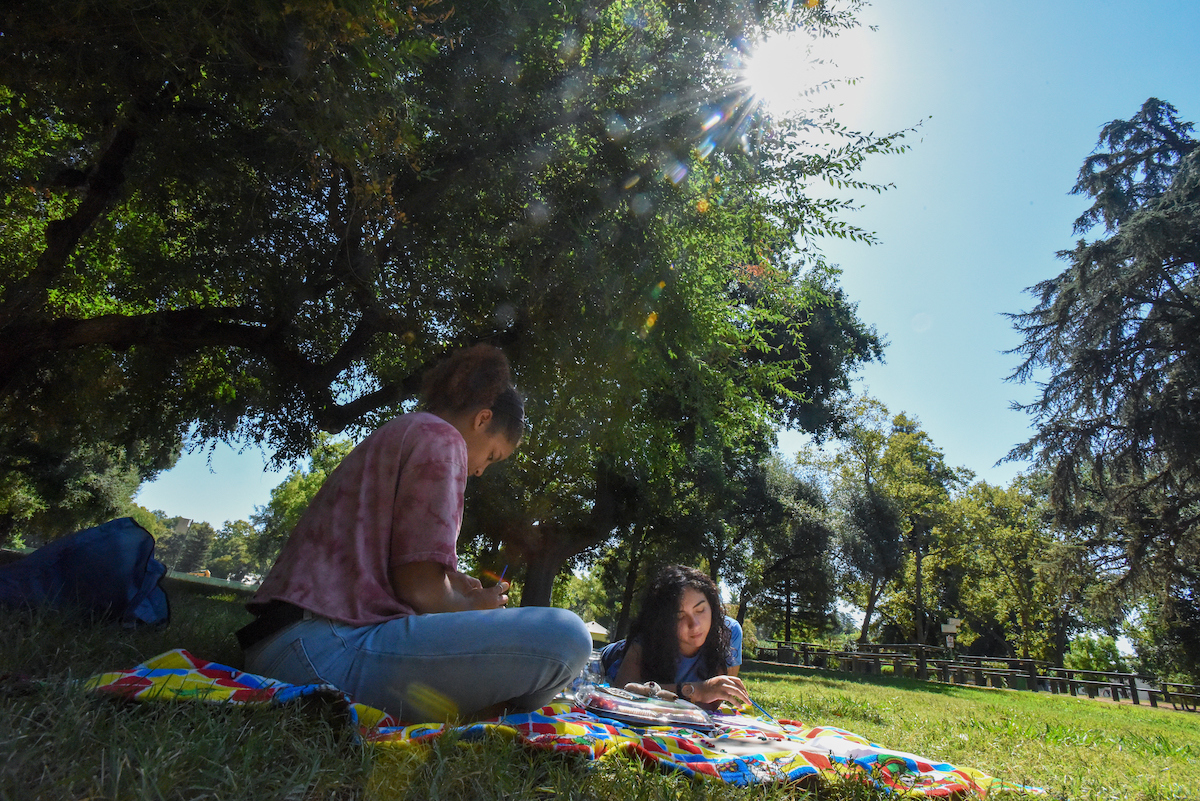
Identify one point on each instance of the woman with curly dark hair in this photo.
(681, 641)
(366, 594)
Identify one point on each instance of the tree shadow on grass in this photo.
(51, 644)
(834, 678)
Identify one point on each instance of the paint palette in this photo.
(639, 710)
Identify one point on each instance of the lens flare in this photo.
(497, 578)
(675, 172)
(429, 703)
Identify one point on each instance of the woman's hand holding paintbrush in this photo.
(500, 588)
(475, 594)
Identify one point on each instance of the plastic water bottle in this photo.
(589, 678)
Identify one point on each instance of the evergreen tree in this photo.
(196, 547)
(1115, 333)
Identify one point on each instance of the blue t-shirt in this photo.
(734, 657)
(613, 654)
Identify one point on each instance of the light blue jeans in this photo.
(434, 667)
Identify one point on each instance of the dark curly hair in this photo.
(476, 378)
(656, 625)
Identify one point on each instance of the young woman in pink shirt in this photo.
(366, 594)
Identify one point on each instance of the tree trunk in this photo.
(787, 610)
(543, 564)
(872, 599)
(918, 601)
(1026, 632)
(718, 554)
(631, 577)
(545, 548)
(1062, 637)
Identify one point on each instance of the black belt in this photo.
(275, 616)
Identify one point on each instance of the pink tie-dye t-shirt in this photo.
(396, 498)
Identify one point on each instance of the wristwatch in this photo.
(686, 690)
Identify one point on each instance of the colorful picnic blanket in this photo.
(179, 676)
(741, 750)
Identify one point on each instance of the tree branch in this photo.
(104, 183)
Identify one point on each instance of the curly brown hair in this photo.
(655, 626)
(475, 378)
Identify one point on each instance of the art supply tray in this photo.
(639, 710)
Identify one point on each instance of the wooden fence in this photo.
(932, 663)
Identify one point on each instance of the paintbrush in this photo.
(760, 709)
(494, 577)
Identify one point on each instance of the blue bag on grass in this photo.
(108, 570)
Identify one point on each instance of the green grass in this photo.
(1077, 748)
(58, 742)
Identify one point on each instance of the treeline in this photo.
(190, 546)
(877, 522)
(241, 550)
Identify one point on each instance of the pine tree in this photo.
(1116, 332)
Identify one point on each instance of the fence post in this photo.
(1133, 690)
(1033, 676)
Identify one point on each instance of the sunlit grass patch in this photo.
(1076, 748)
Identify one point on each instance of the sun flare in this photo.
(794, 71)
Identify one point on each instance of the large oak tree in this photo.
(258, 222)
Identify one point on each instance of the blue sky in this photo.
(1010, 98)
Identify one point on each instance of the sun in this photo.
(794, 71)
